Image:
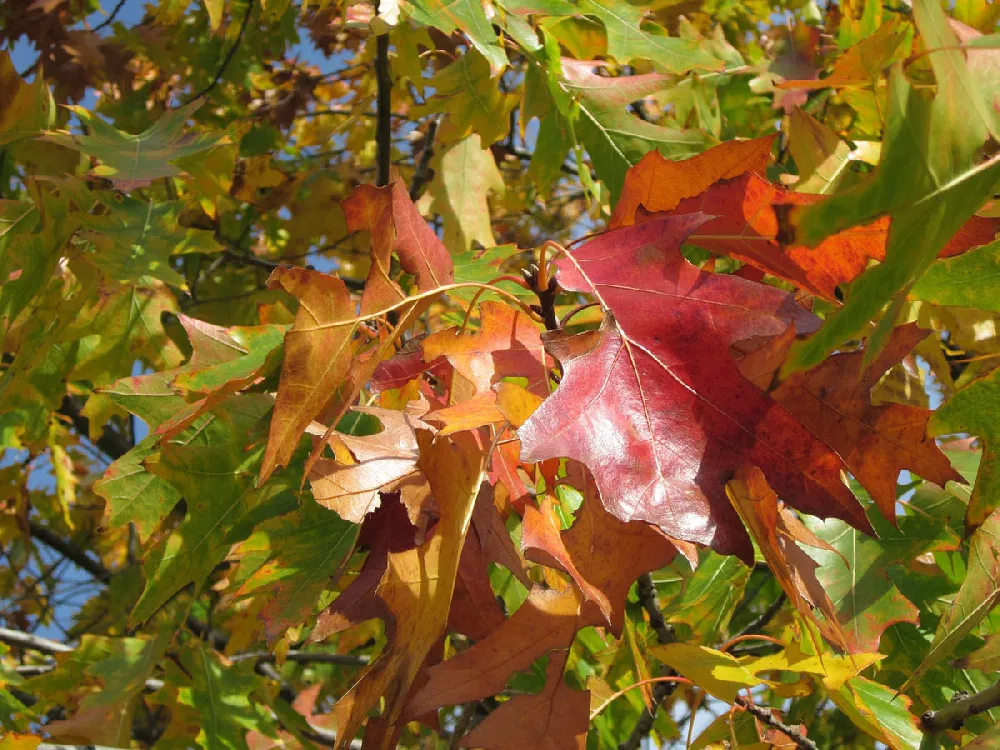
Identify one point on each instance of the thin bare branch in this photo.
(766, 715)
(229, 56)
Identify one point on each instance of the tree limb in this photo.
(111, 442)
(306, 657)
(953, 715)
(111, 17)
(426, 153)
(69, 550)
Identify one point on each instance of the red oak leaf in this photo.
(653, 403)
(876, 442)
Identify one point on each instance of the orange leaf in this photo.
(316, 359)
(660, 184)
(768, 523)
(591, 551)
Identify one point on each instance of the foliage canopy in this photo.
(523, 373)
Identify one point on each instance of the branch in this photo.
(662, 690)
(305, 657)
(69, 550)
(33, 642)
(420, 174)
(953, 715)
(383, 123)
(766, 715)
(112, 442)
(229, 56)
(111, 18)
(766, 617)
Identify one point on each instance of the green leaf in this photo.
(210, 464)
(971, 410)
(979, 594)
(930, 181)
(289, 561)
(971, 279)
(28, 107)
(220, 694)
(473, 101)
(132, 161)
(880, 712)
(706, 602)
(136, 238)
(468, 17)
(464, 175)
(867, 601)
(134, 495)
(482, 265)
(631, 38)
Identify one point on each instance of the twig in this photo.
(420, 173)
(766, 715)
(306, 657)
(70, 551)
(229, 56)
(765, 617)
(383, 121)
(33, 642)
(953, 715)
(111, 17)
(662, 690)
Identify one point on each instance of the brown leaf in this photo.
(555, 719)
(876, 442)
(591, 551)
(385, 462)
(547, 620)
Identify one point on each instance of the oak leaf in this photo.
(658, 411)
(415, 593)
(375, 464)
(591, 551)
(748, 216)
(548, 619)
(555, 719)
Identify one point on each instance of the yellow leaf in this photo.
(718, 673)
(214, 8)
